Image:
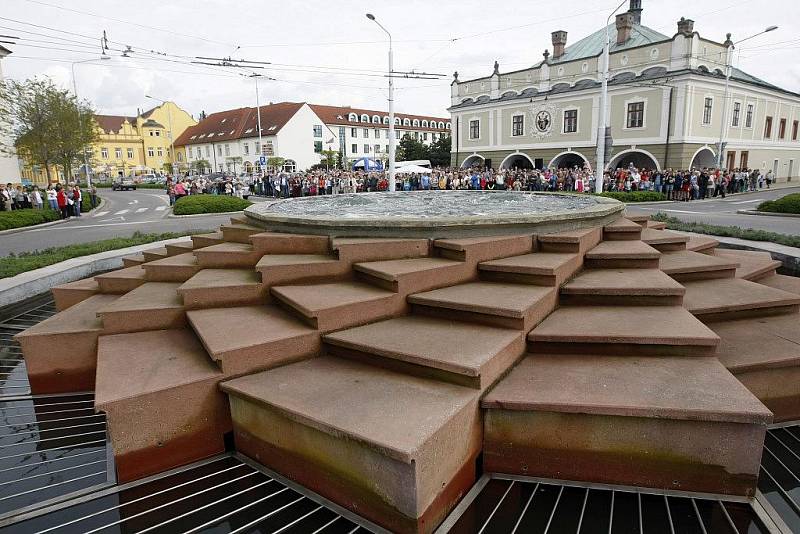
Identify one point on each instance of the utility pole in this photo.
(391, 104)
(80, 115)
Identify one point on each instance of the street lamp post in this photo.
(371, 17)
(729, 46)
(171, 136)
(80, 116)
(256, 76)
(601, 129)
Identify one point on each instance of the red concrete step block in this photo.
(71, 293)
(700, 243)
(181, 247)
(622, 230)
(361, 249)
(61, 352)
(222, 288)
(687, 265)
(206, 240)
(227, 256)
(282, 269)
(244, 340)
(154, 253)
(633, 330)
(159, 393)
(763, 353)
(122, 280)
(573, 241)
(172, 268)
(641, 220)
(133, 260)
(753, 265)
(518, 306)
(239, 233)
(240, 219)
(783, 282)
(734, 298)
(622, 287)
(329, 307)
(395, 449)
(276, 243)
(414, 275)
(622, 254)
(655, 225)
(656, 422)
(476, 249)
(540, 268)
(461, 353)
(151, 306)
(664, 240)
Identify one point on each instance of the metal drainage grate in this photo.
(779, 481)
(51, 447)
(529, 506)
(221, 495)
(13, 374)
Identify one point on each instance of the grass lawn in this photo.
(15, 264)
(674, 223)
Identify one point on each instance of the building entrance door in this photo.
(791, 170)
(743, 159)
(731, 163)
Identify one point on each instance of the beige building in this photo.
(666, 105)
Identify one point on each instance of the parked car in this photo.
(123, 184)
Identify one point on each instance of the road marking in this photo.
(133, 202)
(161, 208)
(673, 211)
(101, 213)
(140, 210)
(122, 212)
(749, 201)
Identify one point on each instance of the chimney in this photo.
(624, 27)
(685, 26)
(559, 43)
(636, 11)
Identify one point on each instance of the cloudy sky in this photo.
(329, 53)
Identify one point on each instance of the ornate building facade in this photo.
(665, 106)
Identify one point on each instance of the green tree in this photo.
(330, 158)
(439, 151)
(411, 149)
(201, 165)
(276, 162)
(234, 160)
(48, 125)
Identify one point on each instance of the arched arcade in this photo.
(641, 159)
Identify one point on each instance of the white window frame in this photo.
(469, 128)
(733, 114)
(633, 100)
(752, 108)
(577, 120)
(104, 153)
(514, 116)
(710, 121)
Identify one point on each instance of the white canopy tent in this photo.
(417, 162)
(412, 169)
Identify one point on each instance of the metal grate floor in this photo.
(221, 495)
(779, 481)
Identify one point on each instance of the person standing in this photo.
(36, 198)
(93, 196)
(51, 197)
(5, 197)
(77, 197)
(62, 202)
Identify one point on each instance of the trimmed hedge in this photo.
(673, 223)
(195, 204)
(635, 196)
(787, 204)
(14, 264)
(163, 187)
(27, 217)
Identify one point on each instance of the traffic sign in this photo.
(262, 160)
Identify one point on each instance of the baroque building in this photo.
(666, 100)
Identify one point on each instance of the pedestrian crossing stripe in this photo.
(161, 208)
(121, 212)
(140, 210)
(101, 213)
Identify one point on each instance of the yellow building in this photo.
(130, 145)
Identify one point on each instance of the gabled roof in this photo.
(239, 123)
(340, 115)
(112, 123)
(592, 44)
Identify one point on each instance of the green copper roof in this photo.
(592, 45)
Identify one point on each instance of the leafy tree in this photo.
(439, 151)
(330, 158)
(276, 162)
(166, 167)
(48, 125)
(234, 160)
(201, 165)
(411, 149)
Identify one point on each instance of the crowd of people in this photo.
(65, 199)
(678, 185)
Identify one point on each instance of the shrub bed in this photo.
(788, 204)
(14, 264)
(195, 204)
(28, 217)
(635, 196)
(673, 223)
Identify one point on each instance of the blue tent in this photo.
(368, 164)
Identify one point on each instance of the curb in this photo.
(768, 213)
(44, 225)
(173, 216)
(32, 283)
(788, 256)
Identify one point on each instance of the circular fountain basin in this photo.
(435, 214)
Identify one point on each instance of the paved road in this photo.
(124, 213)
(722, 212)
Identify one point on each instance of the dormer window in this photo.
(385, 120)
(352, 117)
(415, 123)
(424, 123)
(376, 119)
(364, 118)
(406, 122)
